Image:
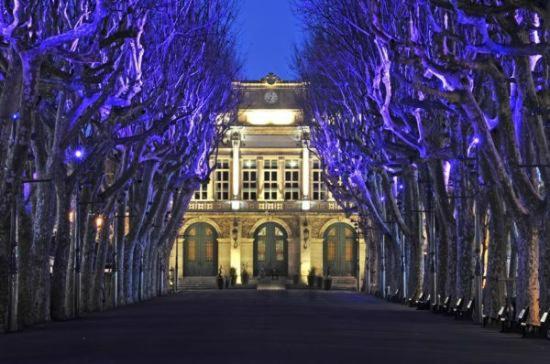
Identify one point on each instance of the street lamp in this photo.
(99, 222)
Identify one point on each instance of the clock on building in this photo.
(271, 97)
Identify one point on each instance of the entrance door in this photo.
(340, 250)
(200, 250)
(270, 250)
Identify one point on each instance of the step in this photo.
(345, 283)
(268, 284)
(196, 283)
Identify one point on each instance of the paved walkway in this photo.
(247, 326)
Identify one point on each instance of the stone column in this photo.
(236, 161)
(305, 173)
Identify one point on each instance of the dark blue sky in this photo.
(267, 33)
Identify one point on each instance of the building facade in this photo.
(265, 208)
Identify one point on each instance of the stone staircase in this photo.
(196, 283)
(267, 284)
(344, 283)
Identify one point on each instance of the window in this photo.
(261, 250)
(192, 250)
(209, 254)
(249, 179)
(270, 179)
(222, 180)
(280, 250)
(202, 192)
(319, 187)
(331, 251)
(292, 180)
(348, 250)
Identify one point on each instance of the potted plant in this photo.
(220, 278)
(328, 280)
(245, 277)
(311, 278)
(233, 275)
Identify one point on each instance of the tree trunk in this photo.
(496, 270)
(528, 267)
(128, 265)
(60, 281)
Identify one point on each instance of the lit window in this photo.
(331, 251)
(191, 250)
(348, 250)
(280, 250)
(292, 180)
(270, 180)
(319, 187)
(222, 180)
(209, 254)
(202, 192)
(261, 250)
(249, 179)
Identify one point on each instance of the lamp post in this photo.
(357, 247)
(14, 257)
(478, 271)
(176, 268)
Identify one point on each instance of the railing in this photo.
(253, 206)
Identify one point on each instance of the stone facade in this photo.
(268, 136)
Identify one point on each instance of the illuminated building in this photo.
(265, 206)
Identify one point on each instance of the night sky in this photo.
(267, 33)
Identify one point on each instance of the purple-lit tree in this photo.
(454, 95)
(120, 105)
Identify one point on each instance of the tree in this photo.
(116, 107)
(446, 99)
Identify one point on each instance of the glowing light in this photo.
(401, 186)
(306, 205)
(446, 173)
(15, 116)
(71, 216)
(475, 140)
(235, 205)
(270, 117)
(99, 221)
(79, 153)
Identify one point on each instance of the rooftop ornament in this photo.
(271, 79)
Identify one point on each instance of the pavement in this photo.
(248, 326)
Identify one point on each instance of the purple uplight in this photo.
(79, 153)
(15, 116)
(475, 140)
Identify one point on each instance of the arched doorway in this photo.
(200, 250)
(270, 249)
(340, 250)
